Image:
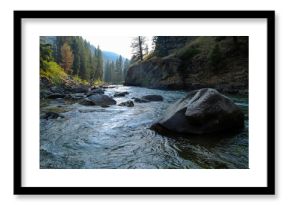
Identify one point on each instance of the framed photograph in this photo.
(186, 108)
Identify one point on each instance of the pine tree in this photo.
(107, 76)
(125, 68)
(99, 57)
(138, 46)
(67, 57)
(45, 54)
(76, 51)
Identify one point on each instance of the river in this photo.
(92, 137)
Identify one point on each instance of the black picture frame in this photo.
(19, 189)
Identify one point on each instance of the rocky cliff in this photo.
(193, 63)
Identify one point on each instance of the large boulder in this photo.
(201, 112)
(100, 100)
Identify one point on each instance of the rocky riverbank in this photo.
(202, 62)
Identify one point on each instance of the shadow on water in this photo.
(92, 137)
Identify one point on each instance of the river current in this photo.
(117, 137)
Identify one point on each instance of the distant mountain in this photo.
(48, 39)
(109, 55)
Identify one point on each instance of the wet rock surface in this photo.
(201, 112)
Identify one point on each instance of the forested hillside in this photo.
(74, 56)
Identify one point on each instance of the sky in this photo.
(117, 44)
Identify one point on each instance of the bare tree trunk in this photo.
(140, 48)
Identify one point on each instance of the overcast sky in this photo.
(118, 44)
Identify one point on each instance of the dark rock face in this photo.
(201, 112)
(120, 94)
(181, 63)
(152, 98)
(128, 103)
(101, 100)
(156, 74)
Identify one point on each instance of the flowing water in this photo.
(119, 137)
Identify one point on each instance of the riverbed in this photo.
(117, 137)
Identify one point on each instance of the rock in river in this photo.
(52, 115)
(95, 91)
(120, 94)
(128, 103)
(201, 112)
(98, 99)
(138, 100)
(152, 98)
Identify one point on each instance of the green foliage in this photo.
(82, 60)
(78, 80)
(45, 54)
(159, 43)
(187, 53)
(96, 59)
(215, 58)
(98, 82)
(53, 72)
(78, 57)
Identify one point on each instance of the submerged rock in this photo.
(98, 99)
(58, 109)
(201, 112)
(120, 94)
(138, 100)
(87, 110)
(51, 115)
(152, 98)
(102, 100)
(128, 103)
